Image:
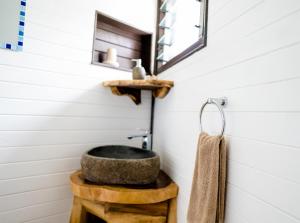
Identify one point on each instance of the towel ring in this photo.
(219, 102)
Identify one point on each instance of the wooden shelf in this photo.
(132, 88)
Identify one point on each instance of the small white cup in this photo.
(111, 57)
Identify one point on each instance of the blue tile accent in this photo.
(22, 18)
(19, 45)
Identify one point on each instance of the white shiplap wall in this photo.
(53, 107)
(252, 57)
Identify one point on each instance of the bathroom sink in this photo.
(120, 165)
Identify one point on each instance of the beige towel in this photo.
(207, 201)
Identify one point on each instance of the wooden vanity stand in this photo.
(155, 203)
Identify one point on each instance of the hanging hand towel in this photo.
(207, 200)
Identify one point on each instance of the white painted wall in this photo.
(252, 57)
(53, 107)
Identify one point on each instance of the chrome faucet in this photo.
(146, 144)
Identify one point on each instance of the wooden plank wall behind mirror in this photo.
(130, 43)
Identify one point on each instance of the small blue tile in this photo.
(21, 23)
(23, 3)
(22, 13)
(21, 33)
(20, 43)
(8, 46)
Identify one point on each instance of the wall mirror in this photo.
(181, 30)
(12, 22)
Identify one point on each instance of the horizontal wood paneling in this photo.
(34, 138)
(43, 93)
(26, 184)
(25, 199)
(38, 211)
(42, 10)
(265, 187)
(239, 123)
(231, 12)
(56, 151)
(264, 17)
(56, 50)
(270, 156)
(252, 209)
(106, 36)
(35, 168)
(54, 108)
(116, 28)
(42, 32)
(123, 52)
(46, 123)
(251, 58)
(63, 217)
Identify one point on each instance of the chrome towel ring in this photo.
(220, 103)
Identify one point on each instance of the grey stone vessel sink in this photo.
(120, 165)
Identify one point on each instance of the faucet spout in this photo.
(137, 136)
(146, 143)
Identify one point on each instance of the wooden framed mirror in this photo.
(181, 30)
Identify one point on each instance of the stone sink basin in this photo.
(120, 165)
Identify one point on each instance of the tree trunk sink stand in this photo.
(155, 203)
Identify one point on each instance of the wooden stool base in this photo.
(115, 204)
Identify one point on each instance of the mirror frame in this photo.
(21, 24)
(198, 45)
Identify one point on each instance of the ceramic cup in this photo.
(111, 57)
